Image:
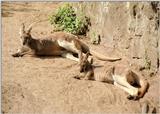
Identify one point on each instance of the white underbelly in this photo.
(70, 46)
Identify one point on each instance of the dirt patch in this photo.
(14, 93)
(46, 85)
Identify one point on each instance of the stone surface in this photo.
(130, 27)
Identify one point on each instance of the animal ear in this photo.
(91, 61)
(81, 56)
(22, 29)
(87, 55)
(29, 30)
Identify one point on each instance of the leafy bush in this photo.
(66, 19)
(95, 38)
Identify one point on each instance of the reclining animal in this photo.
(130, 82)
(58, 44)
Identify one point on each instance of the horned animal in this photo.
(58, 44)
(133, 84)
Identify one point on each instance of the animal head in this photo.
(25, 35)
(85, 64)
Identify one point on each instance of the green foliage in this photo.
(95, 38)
(66, 19)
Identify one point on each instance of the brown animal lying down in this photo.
(130, 82)
(58, 44)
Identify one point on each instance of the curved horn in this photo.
(22, 29)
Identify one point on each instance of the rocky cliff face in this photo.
(130, 27)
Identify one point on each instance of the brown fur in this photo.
(88, 72)
(59, 43)
(137, 81)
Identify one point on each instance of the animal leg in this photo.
(122, 83)
(73, 47)
(132, 92)
(23, 51)
(70, 56)
(17, 54)
(80, 76)
(22, 54)
(79, 52)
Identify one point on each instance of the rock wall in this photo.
(131, 27)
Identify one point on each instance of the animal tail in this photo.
(143, 83)
(144, 87)
(103, 57)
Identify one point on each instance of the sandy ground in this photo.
(46, 85)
